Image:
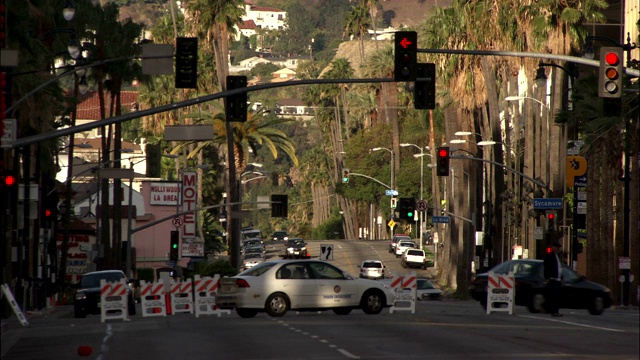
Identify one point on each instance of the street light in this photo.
(392, 184)
(518, 98)
(421, 181)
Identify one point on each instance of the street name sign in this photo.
(391, 192)
(440, 219)
(547, 203)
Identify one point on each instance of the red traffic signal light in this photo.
(442, 162)
(9, 180)
(610, 75)
(405, 55)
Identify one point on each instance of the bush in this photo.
(221, 267)
(330, 229)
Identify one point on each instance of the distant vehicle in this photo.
(252, 234)
(426, 290)
(280, 236)
(87, 297)
(394, 241)
(277, 286)
(296, 248)
(402, 246)
(254, 249)
(252, 259)
(252, 242)
(427, 239)
(414, 258)
(372, 269)
(576, 293)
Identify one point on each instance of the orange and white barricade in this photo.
(500, 290)
(405, 288)
(153, 299)
(114, 302)
(181, 297)
(206, 289)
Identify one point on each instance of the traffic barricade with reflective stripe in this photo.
(114, 302)
(181, 297)
(153, 299)
(500, 291)
(206, 289)
(405, 288)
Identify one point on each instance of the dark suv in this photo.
(87, 299)
(280, 235)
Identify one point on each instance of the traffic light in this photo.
(610, 78)
(174, 249)
(551, 220)
(442, 162)
(406, 208)
(345, 176)
(406, 55)
(394, 203)
(424, 91)
(186, 63)
(235, 106)
(279, 205)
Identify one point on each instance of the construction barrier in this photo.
(114, 302)
(181, 297)
(153, 299)
(206, 289)
(405, 288)
(500, 291)
(6, 291)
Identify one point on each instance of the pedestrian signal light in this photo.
(442, 162)
(610, 79)
(405, 55)
(345, 176)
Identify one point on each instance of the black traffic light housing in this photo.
(279, 205)
(424, 91)
(405, 55)
(174, 248)
(406, 208)
(186, 63)
(610, 74)
(442, 161)
(235, 106)
(345, 176)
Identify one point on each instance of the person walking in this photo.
(553, 276)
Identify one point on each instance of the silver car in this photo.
(372, 269)
(402, 246)
(277, 286)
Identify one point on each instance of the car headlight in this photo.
(304, 248)
(80, 295)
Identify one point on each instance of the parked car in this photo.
(394, 241)
(277, 286)
(414, 258)
(280, 236)
(426, 290)
(87, 297)
(372, 269)
(403, 245)
(576, 293)
(296, 248)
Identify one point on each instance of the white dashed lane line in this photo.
(323, 341)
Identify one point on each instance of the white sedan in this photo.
(302, 285)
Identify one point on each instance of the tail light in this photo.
(242, 283)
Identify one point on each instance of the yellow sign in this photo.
(576, 166)
(391, 223)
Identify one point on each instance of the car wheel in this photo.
(277, 305)
(424, 267)
(597, 305)
(372, 302)
(537, 303)
(79, 314)
(342, 311)
(246, 313)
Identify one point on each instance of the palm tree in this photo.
(357, 24)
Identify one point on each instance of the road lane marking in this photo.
(348, 354)
(572, 323)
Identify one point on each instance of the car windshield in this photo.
(93, 280)
(372, 264)
(415, 252)
(406, 243)
(257, 270)
(517, 267)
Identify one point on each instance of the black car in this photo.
(577, 292)
(87, 298)
(280, 235)
(296, 248)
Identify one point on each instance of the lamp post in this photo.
(392, 184)
(421, 155)
(130, 214)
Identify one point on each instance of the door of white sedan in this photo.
(294, 280)
(334, 288)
